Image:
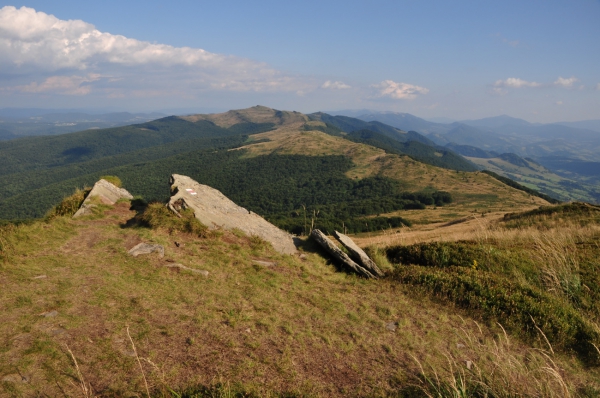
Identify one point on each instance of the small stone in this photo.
(248, 331)
(39, 277)
(264, 263)
(49, 314)
(147, 248)
(302, 256)
(460, 346)
(58, 332)
(183, 267)
(469, 364)
(392, 326)
(15, 378)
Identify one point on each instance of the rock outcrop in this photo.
(339, 255)
(358, 254)
(103, 192)
(215, 210)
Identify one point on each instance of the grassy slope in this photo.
(298, 327)
(472, 191)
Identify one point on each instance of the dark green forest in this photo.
(415, 149)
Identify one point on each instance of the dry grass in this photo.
(299, 327)
(489, 367)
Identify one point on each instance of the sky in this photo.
(536, 60)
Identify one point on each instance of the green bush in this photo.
(437, 254)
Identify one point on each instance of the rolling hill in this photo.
(283, 160)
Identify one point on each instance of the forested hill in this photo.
(38, 172)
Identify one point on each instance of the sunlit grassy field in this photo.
(81, 317)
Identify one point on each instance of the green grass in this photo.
(534, 272)
(298, 328)
(69, 205)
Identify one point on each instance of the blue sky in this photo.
(537, 60)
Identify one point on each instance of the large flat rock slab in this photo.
(215, 210)
(105, 193)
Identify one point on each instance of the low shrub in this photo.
(438, 254)
(523, 309)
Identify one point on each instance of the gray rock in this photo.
(358, 254)
(264, 263)
(106, 193)
(392, 326)
(183, 267)
(147, 248)
(215, 210)
(339, 255)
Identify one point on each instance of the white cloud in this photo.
(566, 83)
(514, 82)
(69, 85)
(559, 103)
(500, 86)
(34, 42)
(335, 85)
(391, 89)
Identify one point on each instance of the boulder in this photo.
(339, 255)
(358, 254)
(105, 193)
(215, 210)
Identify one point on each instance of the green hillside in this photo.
(40, 171)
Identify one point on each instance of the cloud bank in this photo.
(391, 89)
(74, 58)
(500, 86)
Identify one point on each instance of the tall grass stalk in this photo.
(86, 389)
(492, 369)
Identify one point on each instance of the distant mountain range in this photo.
(15, 123)
(568, 150)
(568, 153)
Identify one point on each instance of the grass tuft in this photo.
(116, 181)
(157, 216)
(69, 205)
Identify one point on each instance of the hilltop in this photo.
(496, 305)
